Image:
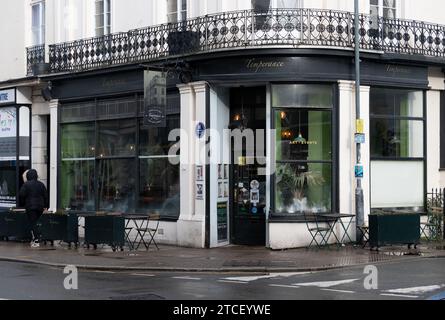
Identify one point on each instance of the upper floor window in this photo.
(384, 8)
(103, 17)
(38, 22)
(287, 4)
(176, 10)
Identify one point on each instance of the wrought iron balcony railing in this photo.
(249, 29)
(34, 56)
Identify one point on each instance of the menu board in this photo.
(222, 221)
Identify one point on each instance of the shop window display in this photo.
(303, 123)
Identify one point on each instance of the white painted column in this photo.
(436, 177)
(53, 108)
(201, 158)
(433, 139)
(366, 149)
(187, 152)
(346, 146)
(191, 223)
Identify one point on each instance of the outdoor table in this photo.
(333, 219)
(140, 221)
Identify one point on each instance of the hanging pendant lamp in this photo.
(299, 139)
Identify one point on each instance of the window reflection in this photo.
(117, 138)
(77, 185)
(159, 186)
(116, 185)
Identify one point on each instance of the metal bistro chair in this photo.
(151, 229)
(429, 228)
(364, 230)
(320, 233)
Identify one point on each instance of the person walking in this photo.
(33, 197)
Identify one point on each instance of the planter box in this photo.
(394, 229)
(109, 230)
(59, 227)
(14, 225)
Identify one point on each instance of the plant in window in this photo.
(293, 185)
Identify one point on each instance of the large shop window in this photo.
(397, 149)
(118, 165)
(14, 152)
(303, 117)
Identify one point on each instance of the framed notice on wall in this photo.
(223, 231)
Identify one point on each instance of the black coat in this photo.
(33, 196)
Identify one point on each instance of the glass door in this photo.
(248, 191)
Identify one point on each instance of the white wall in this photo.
(436, 178)
(425, 10)
(12, 35)
(133, 14)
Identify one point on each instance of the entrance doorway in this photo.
(248, 189)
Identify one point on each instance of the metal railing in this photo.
(436, 214)
(248, 29)
(34, 55)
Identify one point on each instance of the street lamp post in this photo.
(359, 197)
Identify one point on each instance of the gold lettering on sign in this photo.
(307, 143)
(397, 69)
(257, 65)
(113, 83)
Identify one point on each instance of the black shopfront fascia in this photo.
(239, 70)
(312, 70)
(125, 84)
(18, 142)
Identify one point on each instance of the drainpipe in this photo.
(359, 198)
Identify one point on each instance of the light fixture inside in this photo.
(300, 139)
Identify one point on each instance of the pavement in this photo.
(225, 259)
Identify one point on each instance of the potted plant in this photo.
(294, 185)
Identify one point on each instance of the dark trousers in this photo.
(34, 216)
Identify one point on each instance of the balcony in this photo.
(35, 57)
(281, 28)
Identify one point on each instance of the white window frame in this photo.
(276, 4)
(106, 14)
(180, 14)
(381, 7)
(38, 31)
